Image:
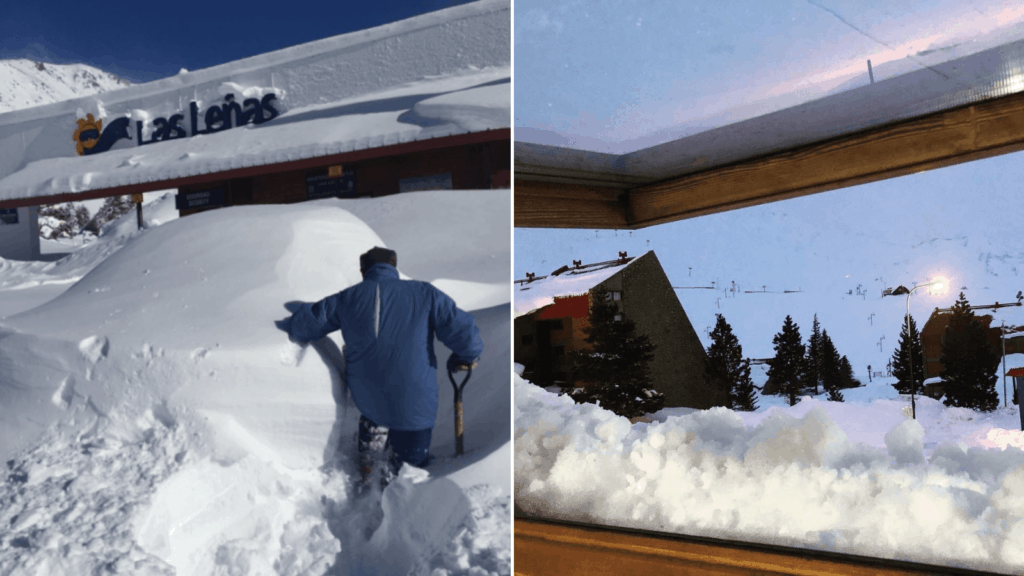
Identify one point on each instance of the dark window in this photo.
(528, 339)
(8, 215)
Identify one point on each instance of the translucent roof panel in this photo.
(617, 77)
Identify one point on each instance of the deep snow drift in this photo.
(857, 477)
(154, 419)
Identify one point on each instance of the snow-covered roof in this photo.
(565, 281)
(440, 74)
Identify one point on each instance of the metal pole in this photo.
(1002, 337)
(913, 381)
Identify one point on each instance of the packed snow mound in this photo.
(457, 216)
(201, 276)
(793, 478)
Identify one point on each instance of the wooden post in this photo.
(137, 199)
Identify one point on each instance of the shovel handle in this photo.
(458, 427)
(459, 387)
(458, 408)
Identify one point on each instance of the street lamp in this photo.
(938, 285)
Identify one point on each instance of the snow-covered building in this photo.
(1008, 315)
(423, 103)
(552, 310)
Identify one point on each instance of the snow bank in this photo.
(791, 480)
(155, 383)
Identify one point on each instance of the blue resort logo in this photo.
(91, 138)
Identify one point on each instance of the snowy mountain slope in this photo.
(26, 83)
(160, 380)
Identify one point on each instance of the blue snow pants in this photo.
(391, 448)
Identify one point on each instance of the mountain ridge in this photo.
(26, 83)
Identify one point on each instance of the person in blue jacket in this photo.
(389, 325)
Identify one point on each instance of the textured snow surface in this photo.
(856, 477)
(542, 292)
(149, 425)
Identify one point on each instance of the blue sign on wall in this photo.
(199, 199)
(322, 185)
(8, 216)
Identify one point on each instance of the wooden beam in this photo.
(946, 138)
(942, 139)
(549, 549)
(558, 205)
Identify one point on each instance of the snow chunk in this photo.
(814, 440)
(906, 443)
(292, 353)
(421, 518)
(94, 348)
(65, 393)
(251, 92)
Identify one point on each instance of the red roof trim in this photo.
(354, 156)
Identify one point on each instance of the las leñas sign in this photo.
(92, 138)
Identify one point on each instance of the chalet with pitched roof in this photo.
(552, 314)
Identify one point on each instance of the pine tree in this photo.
(831, 368)
(728, 369)
(788, 367)
(910, 343)
(113, 208)
(814, 355)
(62, 220)
(969, 363)
(615, 368)
(849, 381)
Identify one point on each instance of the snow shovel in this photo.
(458, 408)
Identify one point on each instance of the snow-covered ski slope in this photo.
(154, 418)
(442, 73)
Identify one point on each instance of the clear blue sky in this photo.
(142, 41)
